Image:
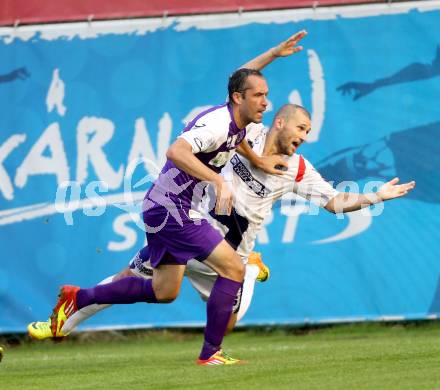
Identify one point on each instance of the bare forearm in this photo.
(284, 49)
(273, 164)
(346, 202)
(181, 155)
(261, 61)
(246, 151)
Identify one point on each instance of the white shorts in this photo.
(200, 275)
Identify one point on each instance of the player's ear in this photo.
(279, 123)
(237, 97)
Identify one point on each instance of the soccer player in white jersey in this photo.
(255, 194)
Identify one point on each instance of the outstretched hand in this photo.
(288, 47)
(393, 190)
(273, 164)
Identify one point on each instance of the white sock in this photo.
(250, 276)
(84, 313)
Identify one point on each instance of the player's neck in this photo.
(270, 146)
(239, 121)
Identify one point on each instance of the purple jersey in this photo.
(212, 135)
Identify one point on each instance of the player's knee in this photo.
(241, 270)
(166, 299)
(123, 274)
(235, 271)
(166, 295)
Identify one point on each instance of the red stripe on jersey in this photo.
(301, 169)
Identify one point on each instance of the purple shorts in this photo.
(176, 244)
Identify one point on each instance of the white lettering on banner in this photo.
(142, 148)
(358, 222)
(318, 95)
(55, 94)
(263, 235)
(36, 163)
(92, 134)
(5, 149)
(291, 225)
(295, 98)
(292, 207)
(316, 74)
(129, 235)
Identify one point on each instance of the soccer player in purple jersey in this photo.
(174, 237)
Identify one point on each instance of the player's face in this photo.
(254, 99)
(293, 133)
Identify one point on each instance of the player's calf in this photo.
(166, 294)
(167, 279)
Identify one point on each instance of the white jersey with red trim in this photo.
(256, 191)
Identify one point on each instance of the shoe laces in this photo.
(226, 356)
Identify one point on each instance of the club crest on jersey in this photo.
(234, 140)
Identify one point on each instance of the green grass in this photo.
(364, 356)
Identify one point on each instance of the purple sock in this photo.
(219, 309)
(130, 289)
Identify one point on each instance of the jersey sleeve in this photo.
(311, 186)
(254, 131)
(205, 137)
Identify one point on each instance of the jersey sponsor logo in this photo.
(220, 159)
(198, 126)
(237, 301)
(140, 267)
(241, 170)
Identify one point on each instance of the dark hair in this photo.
(237, 81)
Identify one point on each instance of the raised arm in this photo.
(345, 202)
(284, 49)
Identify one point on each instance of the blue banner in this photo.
(80, 102)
